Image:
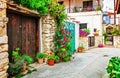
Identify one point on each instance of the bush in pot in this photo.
(19, 64)
(40, 57)
(100, 45)
(51, 59)
(81, 48)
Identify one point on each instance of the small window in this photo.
(95, 29)
(83, 25)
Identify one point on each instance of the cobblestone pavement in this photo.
(90, 64)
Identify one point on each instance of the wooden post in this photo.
(114, 13)
(98, 2)
(69, 6)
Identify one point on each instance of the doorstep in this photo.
(37, 65)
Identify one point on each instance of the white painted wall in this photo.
(76, 35)
(93, 19)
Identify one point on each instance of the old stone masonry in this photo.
(3, 40)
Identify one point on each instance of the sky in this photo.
(108, 5)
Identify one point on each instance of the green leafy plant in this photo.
(81, 46)
(40, 5)
(51, 57)
(113, 68)
(67, 58)
(62, 43)
(107, 38)
(16, 67)
(58, 12)
(105, 34)
(28, 59)
(41, 55)
(87, 30)
(98, 8)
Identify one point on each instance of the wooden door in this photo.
(22, 32)
(91, 41)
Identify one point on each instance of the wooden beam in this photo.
(22, 9)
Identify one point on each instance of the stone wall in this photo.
(116, 42)
(3, 41)
(99, 39)
(83, 41)
(48, 30)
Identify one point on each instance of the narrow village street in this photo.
(91, 64)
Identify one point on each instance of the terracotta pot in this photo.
(51, 62)
(80, 50)
(25, 66)
(40, 61)
(96, 34)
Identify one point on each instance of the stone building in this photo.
(36, 35)
(3, 40)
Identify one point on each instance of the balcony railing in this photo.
(79, 9)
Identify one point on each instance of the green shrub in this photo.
(16, 67)
(67, 58)
(113, 67)
(40, 55)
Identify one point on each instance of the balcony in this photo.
(80, 9)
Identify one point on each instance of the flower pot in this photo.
(51, 62)
(80, 50)
(96, 34)
(40, 61)
(25, 66)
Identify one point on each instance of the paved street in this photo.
(91, 64)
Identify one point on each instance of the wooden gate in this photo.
(22, 32)
(70, 26)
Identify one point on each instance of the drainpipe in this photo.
(114, 13)
(98, 2)
(69, 6)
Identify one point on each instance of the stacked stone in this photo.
(48, 31)
(83, 41)
(98, 40)
(3, 40)
(116, 41)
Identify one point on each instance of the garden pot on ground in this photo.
(51, 62)
(80, 50)
(40, 61)
(25, 66)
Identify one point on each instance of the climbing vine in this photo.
(40, 5)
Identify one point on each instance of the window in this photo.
(87, 4)
(83, 25)
(95, 29)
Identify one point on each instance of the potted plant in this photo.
(96, 33)
(27, 60)
(57, 60)
(40, 57)
(100, 45)
(84, 32)
(51, 59)
(19, 64)
(81, 48)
